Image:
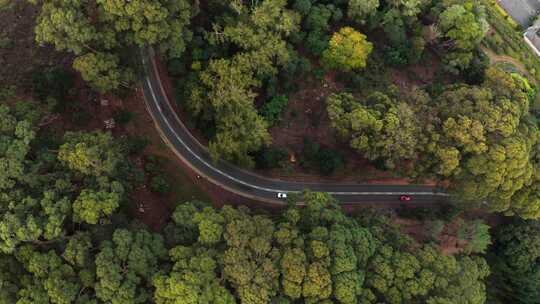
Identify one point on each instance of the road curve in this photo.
(245, 183)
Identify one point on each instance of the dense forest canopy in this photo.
(313, 254)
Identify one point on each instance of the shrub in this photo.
(317, 42)
(123, 116)
(296, 68)
(324, 160)
(270, 158)
(52, 82)
(329, 161)
(476, 72)
(272, 110)
(135, 144)
(159, 184)
(396, 56)
(154, 164)
(434, 229)
(347, 50)
(476, 234)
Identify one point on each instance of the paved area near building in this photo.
(521, 10)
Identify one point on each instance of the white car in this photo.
(282, 195)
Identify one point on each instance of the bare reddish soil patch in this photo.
(19, 54)
(416, 75)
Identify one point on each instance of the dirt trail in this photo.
(495, 58)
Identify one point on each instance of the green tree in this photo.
(380, 129)
(273, 108)
(514, 261)
(347, 50)
(193, 279)
(407, 8)
(33, 204)
(11, 273)
(91, 206)
(51, 280)
(64, 24)
(313, 254)
(239, 128)
(97, 31)
(225, 94)
(476, 234)
(360, 10)
(184, 230)
(90, 153)
(402, 276)
(249, 260)
(101, 71)
(463, 26)
(324, 252)
(482, 141)
(150, 22)
(126, 264)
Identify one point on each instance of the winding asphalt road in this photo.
(248, 184)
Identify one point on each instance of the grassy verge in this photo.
(182, 186)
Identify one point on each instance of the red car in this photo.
(405, 198)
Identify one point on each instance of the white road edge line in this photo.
(145, 63)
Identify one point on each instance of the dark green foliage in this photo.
(324, 160)
(154, 164)
(317, 41)
(330, 161)
(135, 144)
(475, 74)
(318, 18)
(297, 68)
(514, 259)
(302, 6)
(273, 109)
(154, 167)
(176, 67)
(374, 77)
(397, 56)
(270, 158)
(123, 116)
(318, 28)
(445, 212)
(160, 184)
(52, 82)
